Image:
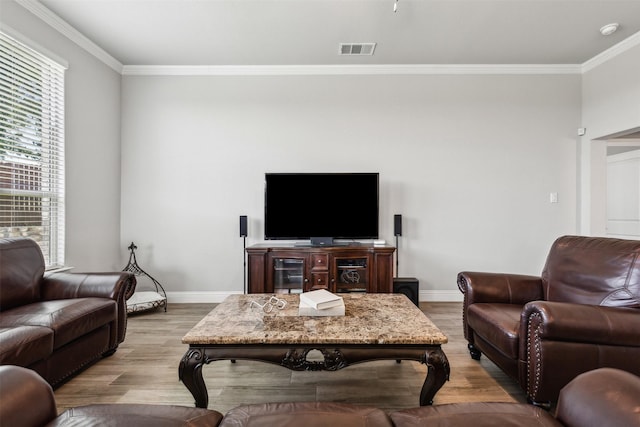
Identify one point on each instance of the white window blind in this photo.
(32, 148)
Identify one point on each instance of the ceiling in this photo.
(308, 32)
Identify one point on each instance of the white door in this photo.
(623, 194)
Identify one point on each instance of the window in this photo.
(32, 148)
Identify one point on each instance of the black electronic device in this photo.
(321, 206)
(244, 232)
(408, 286)
(397, 225)
(321, 241)
(243, 226)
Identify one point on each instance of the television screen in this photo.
(306, 205)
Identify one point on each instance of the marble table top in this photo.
(369, 319)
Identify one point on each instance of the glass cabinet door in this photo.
(288, 275)
(351, 274)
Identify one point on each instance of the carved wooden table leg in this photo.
(190, 373)
(437, 374)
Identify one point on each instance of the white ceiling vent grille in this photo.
(357, 48)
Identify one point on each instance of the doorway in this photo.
(622, 212)
(623, 190)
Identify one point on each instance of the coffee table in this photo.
(374, 327)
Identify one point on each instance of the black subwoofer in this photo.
(408, 286)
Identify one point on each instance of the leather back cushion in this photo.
(137, 415)
(307, 414)
(21, 270)
(474, 414)
(593, 270)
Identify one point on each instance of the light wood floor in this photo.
(145, 370)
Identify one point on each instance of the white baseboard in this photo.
(441, 296)
(189, 297)
(198, 297)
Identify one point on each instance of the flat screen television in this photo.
(321, 206)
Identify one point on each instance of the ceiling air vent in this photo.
(357, 48)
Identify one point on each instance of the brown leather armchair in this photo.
(582, 313)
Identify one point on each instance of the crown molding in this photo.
(611, 53)
(74, 35)
(374, 69)
(71, 33)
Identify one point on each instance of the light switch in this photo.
(553, 197)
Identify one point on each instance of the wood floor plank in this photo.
(145, 370)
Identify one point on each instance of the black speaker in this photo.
(409, 287)
(243, 226)
(397, 225)
(322, 241)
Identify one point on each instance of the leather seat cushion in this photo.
(498, 324)
(476, 414)
(308, 414)
(25, 345)
(68, 318)
(137, 415)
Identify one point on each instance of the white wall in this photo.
(611, 95)
(610, 104)
(92, 104)
(469, 161)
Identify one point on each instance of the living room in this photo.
(169, 157)
(468, 158)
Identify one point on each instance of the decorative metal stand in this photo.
(149, 303)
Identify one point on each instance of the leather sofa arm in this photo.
(561, 321)
(84, 285)
(504, 288)
(602, 397)
(118, 286)
(25, 398)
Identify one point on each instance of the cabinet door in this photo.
(383, 279)
(287, 273)
(351, 273)
(257, 279)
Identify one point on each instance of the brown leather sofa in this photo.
(582, 313)
(26, 400)
(604, 397)
(57, 324)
